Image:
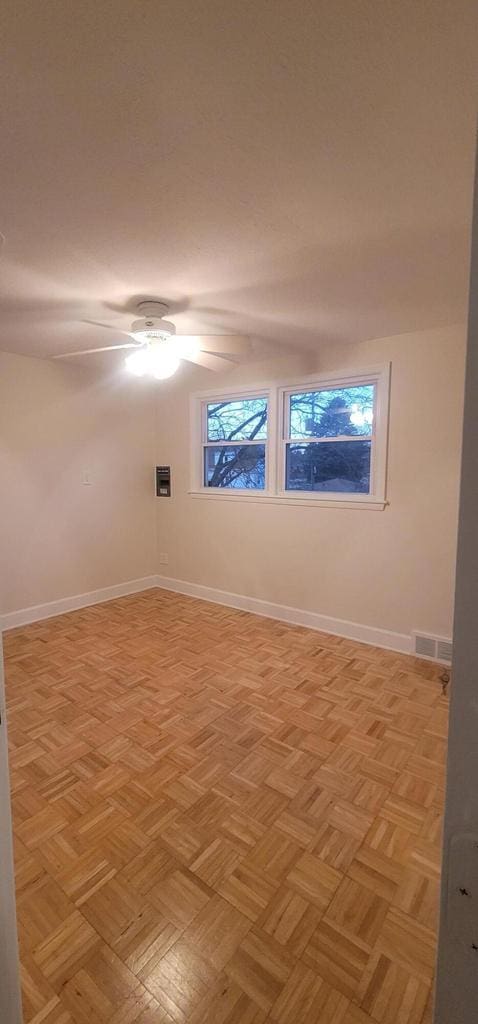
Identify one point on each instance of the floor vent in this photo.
(444, 650)
(434, 647)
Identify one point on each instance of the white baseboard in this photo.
(385, 638)
(296, 616)
(69, 604)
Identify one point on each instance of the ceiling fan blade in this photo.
(109, 327)
(229, 344)
(89, 351)
(210, 362)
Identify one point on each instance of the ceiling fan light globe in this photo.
(138, 363)
(188, 347)
(163, 363)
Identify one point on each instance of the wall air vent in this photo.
(435, 647)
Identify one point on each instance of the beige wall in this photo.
(58, 537)
(392, 569)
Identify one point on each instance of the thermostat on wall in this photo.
(163, 481)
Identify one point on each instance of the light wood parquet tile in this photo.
(37, 917)
(249, 889)
(380, 874)
(62, 954)
(290, 919)
(217, 931)
(145, 940)
(180, 980)
(180, 896)
(339, 957)
(100, 987)
(222, 819)
(358, 910)
(409, 943)
(307, 999)
(261, 967)
(226, 1003)
(37, 992)
(334, 847)
(391, 993)
(315, 880)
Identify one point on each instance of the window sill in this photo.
(364, 502)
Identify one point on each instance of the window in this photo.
(328, 439)
(318, 442)
(234, 449)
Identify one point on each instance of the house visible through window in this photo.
(234, 445)
(329, 439)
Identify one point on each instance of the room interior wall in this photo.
(391, 569)
(60, 425)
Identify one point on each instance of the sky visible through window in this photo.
(244, 419)
(334, 412)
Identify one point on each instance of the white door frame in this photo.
(457, 968)
(10, 1002)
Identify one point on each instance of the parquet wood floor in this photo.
(221, 818)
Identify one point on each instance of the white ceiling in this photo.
(296, 170)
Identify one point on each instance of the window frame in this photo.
(201, 403)
(277, 395)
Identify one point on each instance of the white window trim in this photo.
(276, 394)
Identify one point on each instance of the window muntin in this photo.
(234, 445)
(332, 425)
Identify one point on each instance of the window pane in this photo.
(235, 466)
(244, 419)
(330, 466)
(333, 412)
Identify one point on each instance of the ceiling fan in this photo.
(159, 350)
